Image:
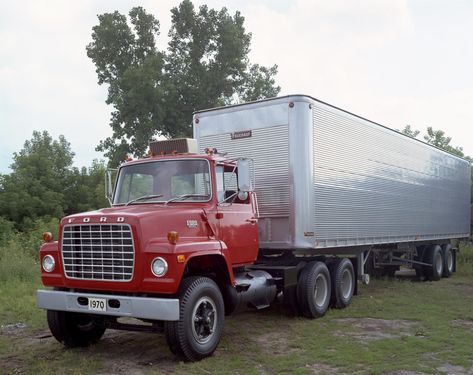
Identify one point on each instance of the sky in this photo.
(396, 62)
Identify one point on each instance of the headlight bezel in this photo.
(52, 263)
(164, 265)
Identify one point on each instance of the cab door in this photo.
(237, 221)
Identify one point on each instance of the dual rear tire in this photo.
(441, 260)
(317, 287)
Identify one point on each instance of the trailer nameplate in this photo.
(242, 134)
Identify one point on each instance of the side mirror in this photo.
(109, 184)
(244, 175)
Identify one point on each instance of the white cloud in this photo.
(394, 61)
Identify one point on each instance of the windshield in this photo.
(160, 181)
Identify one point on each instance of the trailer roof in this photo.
(309, 98)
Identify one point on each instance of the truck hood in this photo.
(149, 221)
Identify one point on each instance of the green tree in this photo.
(155, 92)
(409, 131)
(86, 190)
(438, 139)
(35, 187)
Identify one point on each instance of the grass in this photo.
(433, 328)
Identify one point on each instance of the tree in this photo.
(35, 187)
(413, 133)
(43, 183)
(438, 139)
(154, 93)
(86, 190)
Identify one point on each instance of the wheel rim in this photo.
(321, 290)
(439, 264)
(204, 318)
(346, 283)
(449, 260)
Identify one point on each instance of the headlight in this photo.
(48, 263)
(159, 267)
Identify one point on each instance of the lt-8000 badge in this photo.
(191, 224)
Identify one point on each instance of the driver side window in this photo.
(227, 183)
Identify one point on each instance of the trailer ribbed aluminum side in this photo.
(327, 178)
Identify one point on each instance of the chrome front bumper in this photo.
(135, 307)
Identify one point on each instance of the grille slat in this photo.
(98, 252)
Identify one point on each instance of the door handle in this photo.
(252, 221)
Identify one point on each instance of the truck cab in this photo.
(175, 216)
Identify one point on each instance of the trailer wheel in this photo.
(74, 329)
(433, 255)
(314, 289)
(197, 332)
(448, 260)
(343, 283)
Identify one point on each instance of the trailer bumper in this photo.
(109, 305)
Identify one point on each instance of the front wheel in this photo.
(74, 329)
(197, 332)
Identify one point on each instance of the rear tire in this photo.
(197, 332)
(314, 290)
(74, 329)
(433, 256)
(448, 260)
(343, 283)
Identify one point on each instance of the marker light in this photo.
(48, 263)
(47, 237)
(159, 267)
(173, 237)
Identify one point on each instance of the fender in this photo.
(169, 284)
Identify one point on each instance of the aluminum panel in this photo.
(271, 171)
(372, 184)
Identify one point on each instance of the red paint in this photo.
(226, 231)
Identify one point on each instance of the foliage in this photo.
(43, 184)
(413, 133)
(438, 139)
(153, 92)
(35, 187)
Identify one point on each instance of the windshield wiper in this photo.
(184, 196)
(149, 196)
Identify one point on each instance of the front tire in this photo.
(314, 290)
(74, 329)
(197, 333)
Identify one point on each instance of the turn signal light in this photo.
(47, 237)
(173, 237)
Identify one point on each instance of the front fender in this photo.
(169, 284)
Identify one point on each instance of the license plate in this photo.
(97, 304)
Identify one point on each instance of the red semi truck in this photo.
(307, 200)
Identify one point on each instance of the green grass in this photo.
(267, 341)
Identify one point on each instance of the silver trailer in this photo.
(328, 179)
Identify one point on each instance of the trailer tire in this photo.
(433, 255)
(343, 283)
(448, 260)
(197, 333)
(314, 290)
(74, 329)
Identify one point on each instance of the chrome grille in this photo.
(98, 252)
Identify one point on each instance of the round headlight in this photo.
(159, 267)
(48, 263)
